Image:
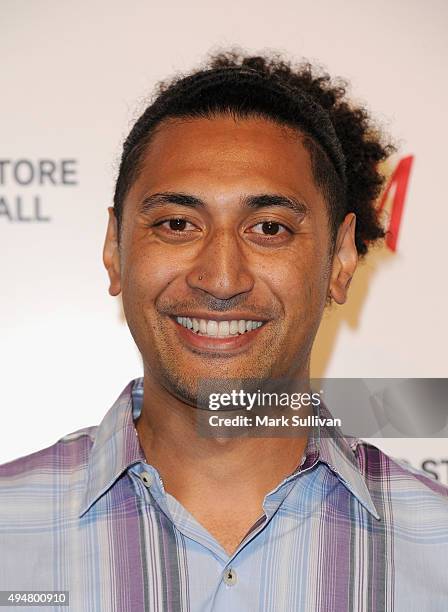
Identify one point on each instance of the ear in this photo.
(111, 254)
(345, 260)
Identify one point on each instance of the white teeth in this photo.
(222, 329)
(212, 328)
(233, 328)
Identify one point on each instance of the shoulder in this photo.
(41, 478)
(68, 453)
(412, 502)
(377, 466)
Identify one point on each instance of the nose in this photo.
(221, 268)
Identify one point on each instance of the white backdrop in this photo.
(75, 76)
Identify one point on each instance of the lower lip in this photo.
(213, 343)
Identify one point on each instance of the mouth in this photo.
(223, 335)
(219, 329)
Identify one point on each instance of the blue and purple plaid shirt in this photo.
(351, 529)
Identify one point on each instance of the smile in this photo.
(217, 337)
(218, 329)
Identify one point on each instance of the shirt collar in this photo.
(117, 447)
(328, 444)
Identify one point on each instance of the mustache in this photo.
(214, 304)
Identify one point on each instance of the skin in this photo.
(221, 263)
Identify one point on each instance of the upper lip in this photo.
(214, 316)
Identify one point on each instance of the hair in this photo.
(344, 145)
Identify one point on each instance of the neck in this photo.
(188, 462)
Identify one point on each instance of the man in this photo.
(245, 196)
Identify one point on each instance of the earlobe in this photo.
(111, 254)
(345, 260)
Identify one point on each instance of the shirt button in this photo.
(229, 576)
(147, 478)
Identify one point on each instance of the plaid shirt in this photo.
(351, 529)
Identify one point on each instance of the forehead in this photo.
(250, 153)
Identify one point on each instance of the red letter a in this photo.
(399, 180)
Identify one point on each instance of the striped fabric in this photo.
(351, 529)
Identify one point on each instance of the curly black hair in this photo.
(344, 144)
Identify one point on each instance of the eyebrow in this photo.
(263, 200)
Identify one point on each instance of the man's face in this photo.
(225, 228)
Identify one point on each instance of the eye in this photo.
(175, 224)
(269, 228)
